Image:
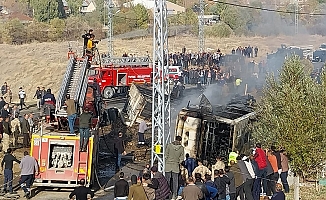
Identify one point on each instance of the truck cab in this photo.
(116, 80)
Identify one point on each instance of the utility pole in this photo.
(110, 28)
(296, 17)
(201, 34)
(161, 88)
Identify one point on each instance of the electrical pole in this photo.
(296, 17)
(110, 28)
(201, 35)
(161, 88)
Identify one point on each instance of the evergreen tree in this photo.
(292, 115)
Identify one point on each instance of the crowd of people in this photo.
(13, 123)
(262, 173)
(186, 59)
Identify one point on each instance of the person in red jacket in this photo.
(260, 158)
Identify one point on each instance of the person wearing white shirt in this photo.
(141, 131)
(22, 96)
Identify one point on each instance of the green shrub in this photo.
(220, 29)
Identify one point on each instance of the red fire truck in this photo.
(117, 74)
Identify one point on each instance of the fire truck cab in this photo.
(117, 74)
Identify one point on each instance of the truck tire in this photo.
(108, 92)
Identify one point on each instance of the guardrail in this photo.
(65, 83)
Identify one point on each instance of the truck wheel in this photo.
(108, 92)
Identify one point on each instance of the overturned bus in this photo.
(208, 131)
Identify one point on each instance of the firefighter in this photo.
(86, 37)
(48, 102)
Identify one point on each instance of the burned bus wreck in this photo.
(208, 131)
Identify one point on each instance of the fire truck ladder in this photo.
(74, 84)
(82, 165)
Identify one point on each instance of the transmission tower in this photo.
(161, 88)
(201, 41)
(110, 28)
(296, 17)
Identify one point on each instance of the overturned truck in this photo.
(208, 131)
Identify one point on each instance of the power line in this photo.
(270, 10)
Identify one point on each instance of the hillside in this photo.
(43, 64)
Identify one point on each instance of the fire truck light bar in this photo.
(126, 61)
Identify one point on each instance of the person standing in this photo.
(136, 190)
(29, 168)
(15, 130)
(48, 101)
(2, 103)
(81, 192)
(22, 96)
(201, 169)
(261, 159)
(6, 134)
(232, 189)
(119, 148)
(9, 94)
(25, 128)
(238, 180)
(4, 89)
(84, 129)
(247, 177)
(273, 177)
(141, 130)
(174, 155)
(38, 95)
(31, 123)
(8, 161)
(221, 180)
(121, 188)
(71, 113)
(285, 170)
(190, 164)
(15, 111)
(218, 165)
(86, 37)
(191, 191)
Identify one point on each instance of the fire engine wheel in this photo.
(108, 92)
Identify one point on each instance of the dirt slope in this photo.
(43, 64)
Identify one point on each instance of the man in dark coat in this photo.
(121, 187)
(25, 130)
(119, 148)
